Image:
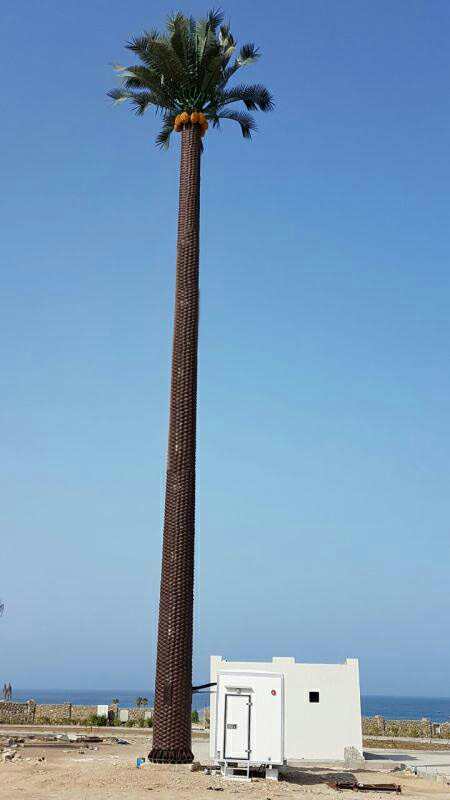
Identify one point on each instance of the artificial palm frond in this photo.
(118, 95)
(176, 21)
(156, 52)
(245, 120)
(215, 18)
(140, 100)
(163, 138)
(188, 69)
(254, 97)
(248, 54)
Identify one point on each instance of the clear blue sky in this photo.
(324, 433)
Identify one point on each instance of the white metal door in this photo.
(237, 726)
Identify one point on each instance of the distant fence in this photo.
(31, 713)
(417, 728)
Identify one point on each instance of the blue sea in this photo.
(434, 708)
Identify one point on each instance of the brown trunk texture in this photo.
(173, 689)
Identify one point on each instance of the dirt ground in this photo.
(107, 771)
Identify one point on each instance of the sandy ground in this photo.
(80, 772)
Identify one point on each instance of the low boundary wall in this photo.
(419, 728)
(31, 713)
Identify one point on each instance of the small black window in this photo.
(314, 697)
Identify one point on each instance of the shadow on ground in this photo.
(306, 777)
(389, 756)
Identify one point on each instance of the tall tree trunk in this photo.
(173, 690)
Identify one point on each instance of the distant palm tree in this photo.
(184, 75)
(141, 701)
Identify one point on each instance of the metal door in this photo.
(237, 727)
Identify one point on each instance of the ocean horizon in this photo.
(388, 706)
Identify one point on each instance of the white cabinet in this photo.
(249, 718)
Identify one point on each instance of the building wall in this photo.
(311, 730)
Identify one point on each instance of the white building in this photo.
(280, 711)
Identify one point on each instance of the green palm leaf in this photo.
(215, 18)
(254, 97)
(163, 138)
(245, 120)
(188, 68)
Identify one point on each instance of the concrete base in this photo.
(232, 773)
(229, 773)
(272, 774)
(353, 758)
